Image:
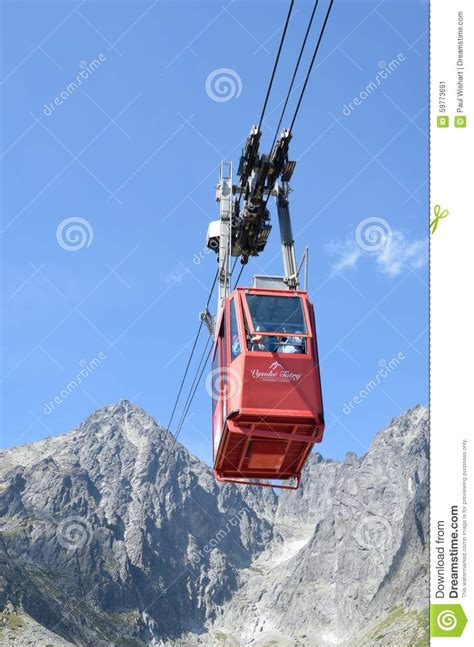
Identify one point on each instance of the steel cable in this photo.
(275, 65)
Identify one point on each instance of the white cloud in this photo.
(346, 253)
(396, 255)
(400, 253)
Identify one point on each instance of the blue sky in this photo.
(134, 152)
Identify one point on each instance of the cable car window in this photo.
(214, 372)
(234, 333)
(216, 361)
(276, 314)
(289, 344)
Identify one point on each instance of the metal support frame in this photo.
(286, 234)
(225, 199)
(208, 320)
(260, 482)
(245, 232)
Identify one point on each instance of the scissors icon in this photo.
(438, 216)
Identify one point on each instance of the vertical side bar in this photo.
(224, 197)
(451, 322)
(306, 268)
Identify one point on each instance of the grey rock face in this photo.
(109, 538)
(354, 555)
(106, 516)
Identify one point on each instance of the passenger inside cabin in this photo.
(292, 344)
(289, 344)
(235, 346)
(259, 341)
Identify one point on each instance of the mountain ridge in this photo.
(158, 553)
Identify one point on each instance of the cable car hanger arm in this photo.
(244, 232)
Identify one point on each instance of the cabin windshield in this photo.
(275, 314)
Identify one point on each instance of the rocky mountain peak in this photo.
(156, 552)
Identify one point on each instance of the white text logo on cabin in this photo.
(276, 373)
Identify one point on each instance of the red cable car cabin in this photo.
(267, 403)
